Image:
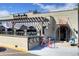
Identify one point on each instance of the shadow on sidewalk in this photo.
(2, 49)
(38, 47)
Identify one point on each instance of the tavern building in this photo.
(59, 25)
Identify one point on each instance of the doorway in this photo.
(63, 33)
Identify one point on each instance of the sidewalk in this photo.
(12, 52)
(57, 51)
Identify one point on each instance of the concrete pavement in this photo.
(59, 50)
(12, 52)
(56, 52)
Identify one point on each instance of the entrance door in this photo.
(63, 33)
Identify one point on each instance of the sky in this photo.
(13, 8)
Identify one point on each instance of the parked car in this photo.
(73, 41)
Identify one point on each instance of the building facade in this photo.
(60, 25)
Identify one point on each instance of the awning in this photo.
(32, 21)
(19, 25)
(2, 27)
(7, 24)
(23, 27)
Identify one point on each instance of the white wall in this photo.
(10, 42)
(71, 14)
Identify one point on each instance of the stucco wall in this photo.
(51, 27)
(72, 15)
(12, 42)
(6, 17)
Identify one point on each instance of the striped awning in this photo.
(2, 27)
(7, 24)
(32, 19)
